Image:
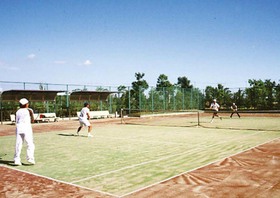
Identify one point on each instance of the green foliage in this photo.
(184, 82)
(163, 81)
(260, 95)
(137, 92)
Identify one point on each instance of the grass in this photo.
(123, 158)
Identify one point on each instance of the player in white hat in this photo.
(215, 107)
(24, 132)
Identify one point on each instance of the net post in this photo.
(121, 116)
(198, 120)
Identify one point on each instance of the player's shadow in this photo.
(7, 162)
(11, 163)
(71, 135)
(67, 134)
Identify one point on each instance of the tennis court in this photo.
(145, 156)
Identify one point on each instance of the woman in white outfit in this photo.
(24, 117)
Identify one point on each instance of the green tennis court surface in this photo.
(123, 158)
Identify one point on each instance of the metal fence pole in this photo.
(1, 109)
(67, 101)
(129, 99)
(152, 92)
(110, 101)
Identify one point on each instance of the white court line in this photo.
(196, 168)
(59, 181)
(160, 159)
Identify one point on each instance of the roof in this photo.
(49, 95)
(31, 95)
(90, 95)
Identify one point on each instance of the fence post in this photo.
(129, 99)
(110, 101)
(1, 108)
(67, 101)
(183, 98)
(152, 91)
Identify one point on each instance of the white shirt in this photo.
(23, 120)
(215, 106)
(84, 112)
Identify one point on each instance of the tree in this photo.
(269, 94)
(163, 81)
(123, 98)
(254, 94)
(277, 96)
(138, 88)
(261, 94)
(97, 89)
(224, 95)
(165, 90)
(221, 93)
(184, 82)
(239, 98)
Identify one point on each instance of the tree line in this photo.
(260, 95)
(166, 96)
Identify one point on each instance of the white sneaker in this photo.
(17, 163)
(89, 135)
(31, 161)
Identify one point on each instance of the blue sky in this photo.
(105, 42)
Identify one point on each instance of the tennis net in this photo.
(171, 119)
(249, 120)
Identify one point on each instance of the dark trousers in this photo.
(234, 113)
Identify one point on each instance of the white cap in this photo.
(23, 101)
(214, 100)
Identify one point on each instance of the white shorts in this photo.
(84, 122)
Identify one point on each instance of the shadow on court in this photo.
(11, 163)
(7, 162)
(71, 135)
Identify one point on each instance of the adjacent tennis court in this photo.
(125, 158)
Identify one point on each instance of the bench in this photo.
(98, 114)
(13, 118)
(45, 117)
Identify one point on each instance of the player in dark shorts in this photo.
(234, 110)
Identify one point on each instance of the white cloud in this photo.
(31, 56)
(87, 62)
(59, 62)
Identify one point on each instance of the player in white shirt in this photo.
(84, 119)
(24, 132)
(215, 107)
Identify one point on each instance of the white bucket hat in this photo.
(23, 101)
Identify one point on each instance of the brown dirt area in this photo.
(253, 173)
